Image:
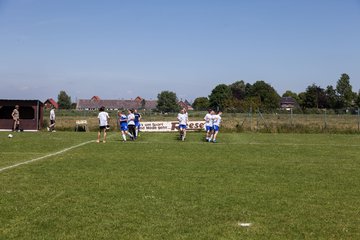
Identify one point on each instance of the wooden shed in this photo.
(31, 114)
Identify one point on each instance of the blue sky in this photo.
(121, 49)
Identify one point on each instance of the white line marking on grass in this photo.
(46, 156)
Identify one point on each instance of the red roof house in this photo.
(50, 102)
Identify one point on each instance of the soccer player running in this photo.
(51, 128)
(216, 126)
(183, 121)
(123, 123)
(103, 123)
(137, 122)
(131, 124)
(208, 124)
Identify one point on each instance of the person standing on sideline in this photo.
(51, 128)
(216, 126)
(208, 124)
(183, 121)
(137, 122)
(131, 123)
(123, 123)
(103, 123)
(16, 117)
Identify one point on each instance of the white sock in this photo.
(124, 137)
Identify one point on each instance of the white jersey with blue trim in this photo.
(208, 120)
(216, 120)
(182, 119)
(131, 119)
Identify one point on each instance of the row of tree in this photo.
(241, 96)
(340, 97)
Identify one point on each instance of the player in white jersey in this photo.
(216, 119)
(208, 123)
(103, 123)
(131, 123)
(183, 121)
(51, 128)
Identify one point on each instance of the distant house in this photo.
(95, 103)
(50, 102)
(95, 98)
(185, 104)
(288, 103)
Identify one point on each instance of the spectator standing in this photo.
(16, 117)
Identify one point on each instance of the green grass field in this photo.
(288, 186)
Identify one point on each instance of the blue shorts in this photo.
(216, 128)
(123, 127)
(137, 124)
(209, 129)
(182, 126)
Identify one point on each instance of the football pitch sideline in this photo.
(63, 185)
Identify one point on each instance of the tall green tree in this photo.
(344, 91)
(315, 97)
(302, 100)
(167, 102)
(248, 89)
(357, 101)
(269, 98)
(238, 90)
(201, 104)
(220, 97)
(64, 100)
(332, 98)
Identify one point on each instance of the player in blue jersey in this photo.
(123, 124)
(137, 123)
(183, 121)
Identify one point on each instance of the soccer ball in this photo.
(10, 135)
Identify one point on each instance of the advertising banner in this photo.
(170, 126)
